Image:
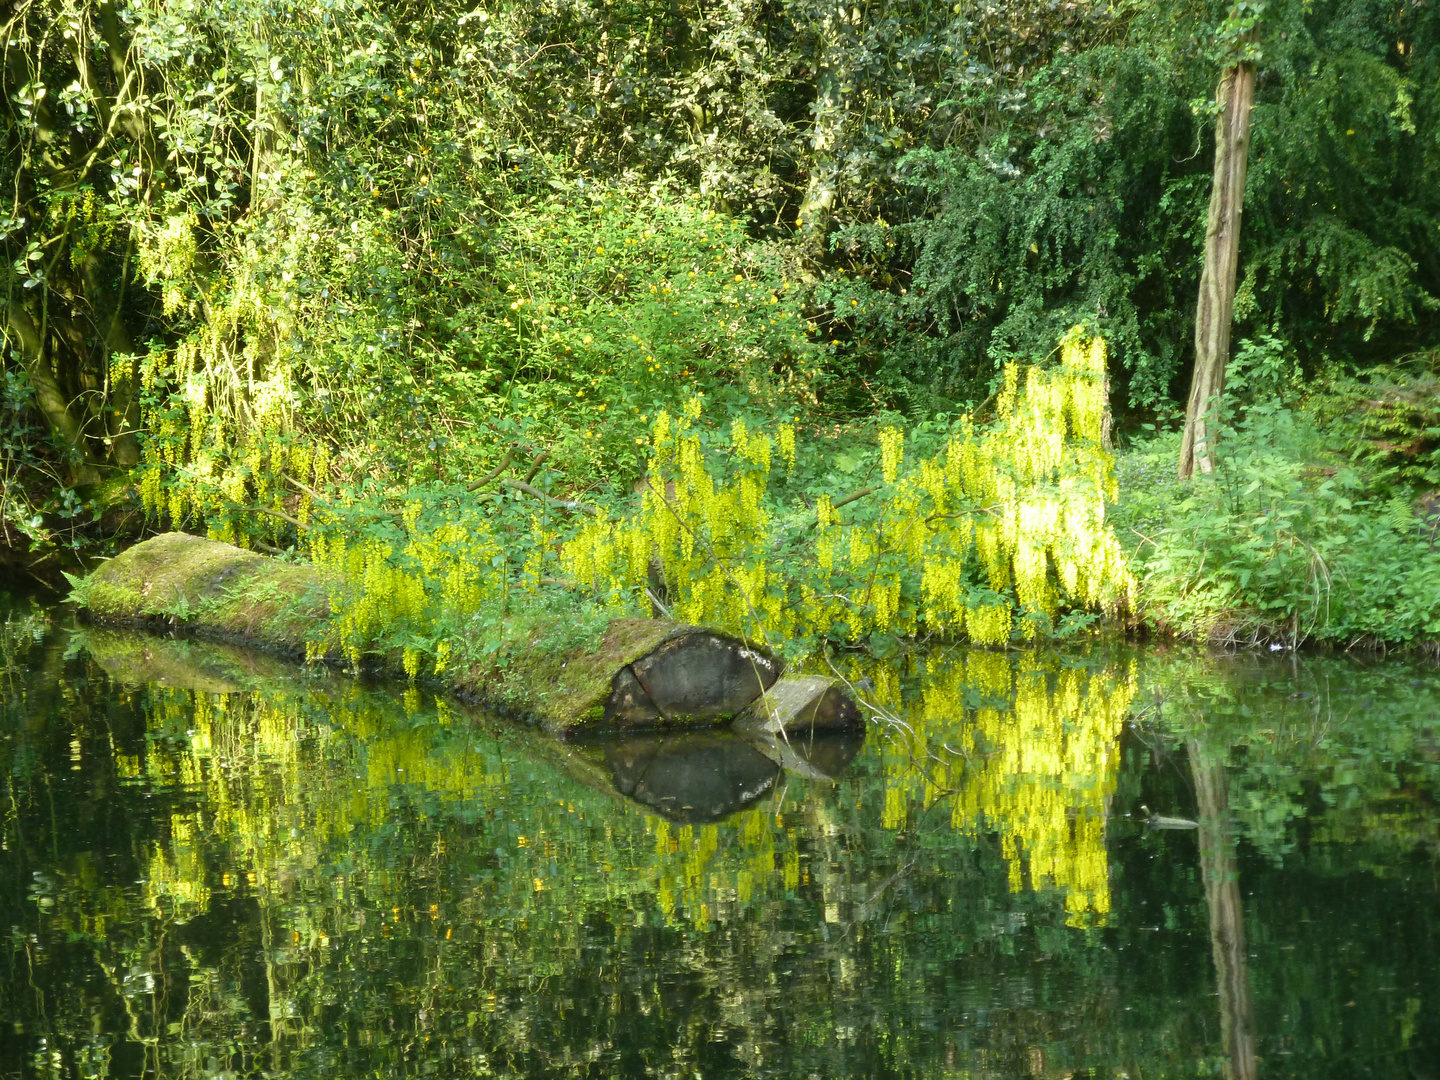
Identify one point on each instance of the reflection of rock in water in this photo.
(706, 775)
(691, 777)
(817, 755)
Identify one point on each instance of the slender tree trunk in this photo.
(830, 111)
(820, 192)
(122, 418)
(1215, 310)
(1227, 918)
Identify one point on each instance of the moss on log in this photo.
(627, 674)
(213, 590)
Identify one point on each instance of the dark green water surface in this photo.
(215, 865)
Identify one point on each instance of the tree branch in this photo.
(854, 495)
(493, 473)
(305, 489)
(535, 465)
(283, 515)
(564, 504)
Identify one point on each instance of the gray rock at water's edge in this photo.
(799, 705)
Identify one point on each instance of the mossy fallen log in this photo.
(628, 674)
(212, 590)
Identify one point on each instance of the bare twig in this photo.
(1147, 539)
(305, 489)
(283, 515)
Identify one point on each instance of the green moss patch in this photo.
(564, 690)
(211, 589)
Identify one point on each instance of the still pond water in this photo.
(214, 866)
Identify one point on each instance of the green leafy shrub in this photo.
(1287, 540)
(1389, 418)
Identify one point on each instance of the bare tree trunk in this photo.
(1227, 918)
(830, 113)
(122, 411)
(1216, 308)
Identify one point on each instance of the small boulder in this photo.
(799, 705)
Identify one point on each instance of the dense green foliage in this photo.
(1311, 531)
(263, 260)
(1086, 201)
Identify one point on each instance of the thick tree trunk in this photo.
(52, 331)
(1215, 311)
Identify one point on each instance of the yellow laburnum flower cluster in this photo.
(375, 597)
(1038, 767)
(995, 533)
(443, 574)
(222, 445)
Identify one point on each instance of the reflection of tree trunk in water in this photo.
(1227, 918)
(279, 1023)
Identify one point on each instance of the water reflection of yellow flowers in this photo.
(1035, 763)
